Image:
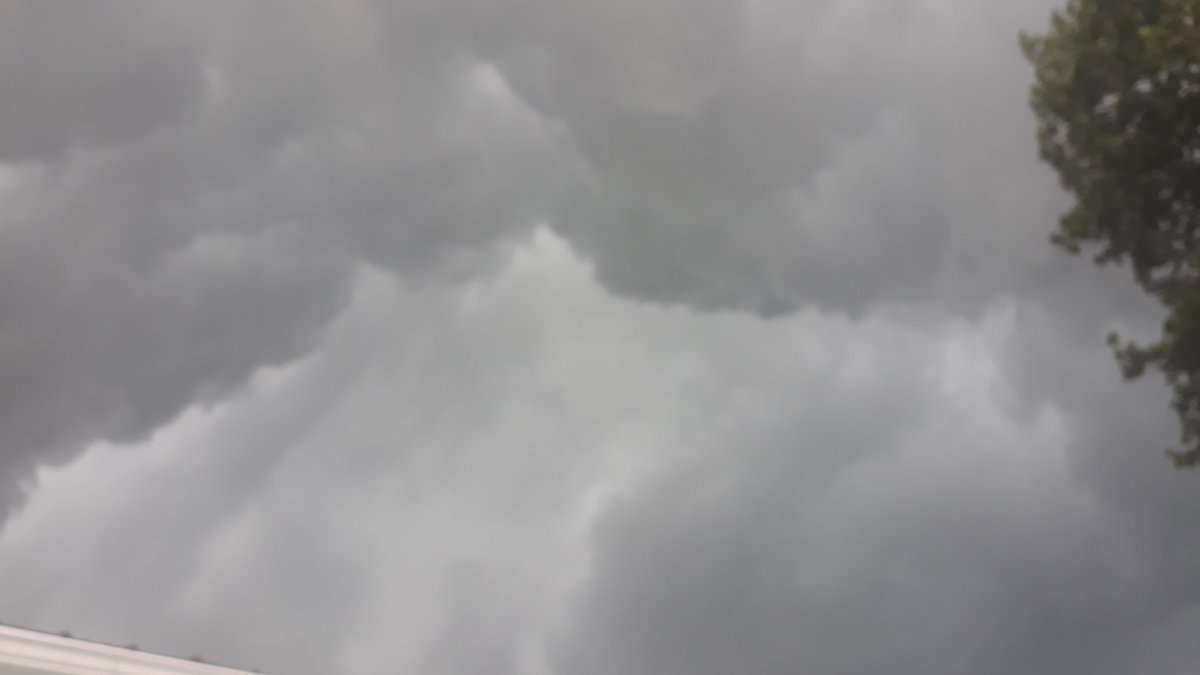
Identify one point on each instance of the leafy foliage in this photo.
(1117, 97)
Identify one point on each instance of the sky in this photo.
(547, 337)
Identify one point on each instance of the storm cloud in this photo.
(562, 337)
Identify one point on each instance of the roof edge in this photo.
(59, 655)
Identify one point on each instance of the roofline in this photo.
(59, 655)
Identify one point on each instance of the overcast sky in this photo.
(530, 337)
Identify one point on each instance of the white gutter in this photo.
(27, 652)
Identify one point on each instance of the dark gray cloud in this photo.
(84, 75)
(308, 357)
(158, 256)
(816, 140)
(729, 175)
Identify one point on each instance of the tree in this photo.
(1117, 98)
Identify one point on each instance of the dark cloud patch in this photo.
(186, 209)
(754, 157)
(804, 144)
(94, 349)
(80, 75)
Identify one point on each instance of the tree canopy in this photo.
(1117, 98)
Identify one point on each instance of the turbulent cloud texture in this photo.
(587, 338)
